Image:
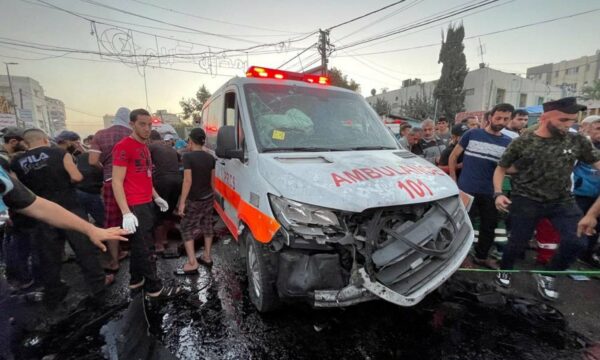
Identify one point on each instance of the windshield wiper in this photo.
(378, 147)
(315, 149)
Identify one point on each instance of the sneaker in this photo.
(546, 287)
(503, 279)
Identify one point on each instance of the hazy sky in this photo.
(91, 86)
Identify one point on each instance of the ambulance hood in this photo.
(355, 180)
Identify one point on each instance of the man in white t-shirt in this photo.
(516, 124)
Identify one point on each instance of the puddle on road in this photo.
(464, 321)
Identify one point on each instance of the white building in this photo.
(572, 74)
(167, 118)
(30, 101)
(483, 88)
(56, 114)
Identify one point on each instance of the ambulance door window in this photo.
(214, 121)
(232, 118)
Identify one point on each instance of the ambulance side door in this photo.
(230, 171)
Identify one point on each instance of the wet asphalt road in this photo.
(217, 321)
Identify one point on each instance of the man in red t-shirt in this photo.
(133, 190)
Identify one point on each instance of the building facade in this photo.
(30, 101)
(573, 75)
(484, 88)
(167, 118)
(56, 114)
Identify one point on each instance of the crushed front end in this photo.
(399, 254)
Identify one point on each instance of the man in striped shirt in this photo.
(482, 149)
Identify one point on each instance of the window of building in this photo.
(587, 67)
(469, 92)
(522, 100)
(556, 73)
(396, 98)
(540, 100)
(500, 93)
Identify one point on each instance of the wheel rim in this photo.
(254, 270)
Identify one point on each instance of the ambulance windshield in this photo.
(300, 118)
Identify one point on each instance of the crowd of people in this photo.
(548, 171)
(128, 180)
(132, 180)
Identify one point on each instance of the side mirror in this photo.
(226, 145)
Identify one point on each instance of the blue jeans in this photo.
(93, 206)
(524, 216)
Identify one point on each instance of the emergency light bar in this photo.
(260, 72)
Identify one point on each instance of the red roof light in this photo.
(255, 71)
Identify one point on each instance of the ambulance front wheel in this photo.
(261, 267)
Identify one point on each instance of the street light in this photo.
(12, 94)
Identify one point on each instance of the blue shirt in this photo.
(482, 153)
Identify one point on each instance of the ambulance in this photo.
(325, 205)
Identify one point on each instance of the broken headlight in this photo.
(292, 214)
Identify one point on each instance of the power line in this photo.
(434, 25)
(300, 53)
(423, 23)
(365, 15)
(93, 2)
(484, 34)
(214, 20)
(223, 50)
(408, 6)
(90, 16)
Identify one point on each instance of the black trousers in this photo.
(50, 243)
(142, 258)
(484, 208)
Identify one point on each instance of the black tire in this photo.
(262, 286)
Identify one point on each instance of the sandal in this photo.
(203, 262)
(134, 288)
(167, 292)
(182, 272)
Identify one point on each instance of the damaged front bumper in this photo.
(413, 262)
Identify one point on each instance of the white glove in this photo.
(162, 204)
(130, 223)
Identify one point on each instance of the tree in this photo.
(449, 89)
(381, 106)
(591, 92)
(341, 80)
(192, 107)
(373, 92)
(420, 107)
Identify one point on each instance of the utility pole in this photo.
(12, 94)
(323, 48)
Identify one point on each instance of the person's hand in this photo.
(130, 223)
(162, 204)
(587, 226)
(98, 235)
(181, 209)
(502, 203)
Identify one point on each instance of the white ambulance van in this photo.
(326, 206)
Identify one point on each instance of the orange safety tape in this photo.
(262, 226)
